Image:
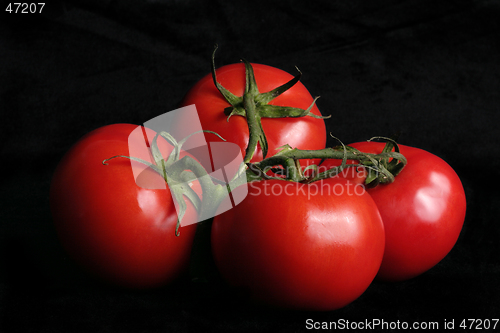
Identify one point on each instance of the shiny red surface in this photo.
(423, 212)
(300, 246)
(116, 229)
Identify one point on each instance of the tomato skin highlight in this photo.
(117, 230)
(303, 133)
(301, 249)
(423, 212)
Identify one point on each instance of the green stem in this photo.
(256, 133)
(322, 154)
(212, 194)
(384, 171)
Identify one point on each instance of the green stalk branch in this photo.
(383, 167)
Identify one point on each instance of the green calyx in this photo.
(177, 172)
(254, 106)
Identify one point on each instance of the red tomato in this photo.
(314, 247)
(423, 212)
(118, 230)
(303, 133)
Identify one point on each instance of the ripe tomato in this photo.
(303, 133)
(119, 229)
(311, 246)
(423, 211)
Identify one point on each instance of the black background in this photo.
(430, 69)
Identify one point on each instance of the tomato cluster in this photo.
(310, 240)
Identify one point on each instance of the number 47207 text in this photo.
(25, 7)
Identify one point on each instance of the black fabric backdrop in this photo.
(430, 69)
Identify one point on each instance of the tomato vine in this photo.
(375, 209)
